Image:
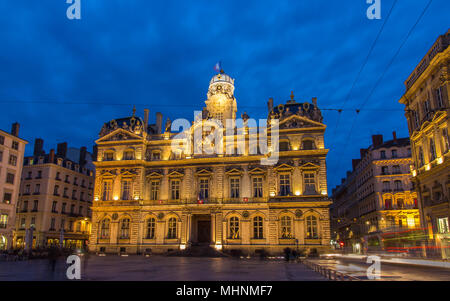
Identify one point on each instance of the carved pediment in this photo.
(129, 172)
(179, 172)
(295, 121)
(309, 165)
(232, 170)
(108, 172)
(203, 171)
(119, 135)
(284, 167)
(253, 170)
(154, 173)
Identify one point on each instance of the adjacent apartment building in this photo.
(55, 198)
(12, 149)
(376, 201)
(153, 196)
(427, 109)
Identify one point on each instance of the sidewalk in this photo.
(394, 260)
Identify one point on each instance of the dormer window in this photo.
(308, 144)
(60, 161)
(156, 155)
(284, 146)
(108, 156)
(128, 155)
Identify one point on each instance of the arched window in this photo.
(234, 227)
(311, 227)
(258, 228)
(172, 228)
(286, 227)
(125, 228)
(151, 226)
(308, 144)
(104, 228)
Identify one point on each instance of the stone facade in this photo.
(12, 149)
(150, 196)
(56, 194)
(376, 198)
(427, 108)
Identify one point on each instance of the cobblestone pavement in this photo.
(134, 268)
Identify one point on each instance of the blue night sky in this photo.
(62, 79)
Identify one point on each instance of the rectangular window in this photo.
(107, 190)
(23, 223)
(203, 189)
(25, 206)
(35, 205)
(439, 98)
(54, 206)
(55, 190)
(15, 145)
(386, 186)
(175, 189)
(396, 169)
(126, 190)
(234, 187)
(154, 190)
(2, 140)
(394, 153)
(309, 181)
(3, 221)
(10, 178)
(285, 185)
(12, 160)
(37, 189)
(52, 224)
(382, 154)
(384, 170)
(33, 222)
(63, 224)
(7, 197)
(1, 155)
(63, 208)
(258, 187)
(443, 226)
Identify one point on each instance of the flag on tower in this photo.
(217, 67)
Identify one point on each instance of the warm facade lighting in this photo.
(440, 160)
(182, 246)
(116, 198)
(428, 167)
(414, 173)
(136, 198)
(272, 194)
(218, 247)
(324, 192)
(297, 192)
(96, 198)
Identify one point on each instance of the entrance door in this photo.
(204, 231)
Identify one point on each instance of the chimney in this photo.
(270, 104)
(38, 147)
(51, 156)
(15, 129)
(377, 140)
(362, 152)
(355, 163)
(314, 101)
(342, 181)
(83, 152)
(61, 149)
(146, 114)
(94, 152)
(394, 136)
(159, 118)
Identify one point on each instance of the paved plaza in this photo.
(134, 268)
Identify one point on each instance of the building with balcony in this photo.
(376, 197)
(12, 149)
(56, 194)
(160, 189)
(427, 108)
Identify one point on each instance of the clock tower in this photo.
(221, 104)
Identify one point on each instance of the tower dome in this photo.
(220, 102)
(221, 78)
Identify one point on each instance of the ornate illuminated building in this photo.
(55, 198)
(427, 106)
(376, 198)
(12, 149)
(153, 197)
